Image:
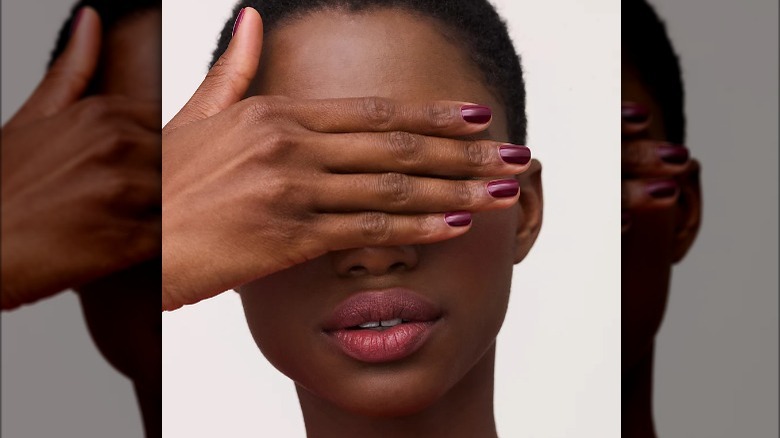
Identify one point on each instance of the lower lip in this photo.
(375, 346)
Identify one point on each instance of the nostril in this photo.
(399, 266)
(357, 270)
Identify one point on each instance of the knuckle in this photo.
(464, 195)
(439, 116)
(396, 187)
(276, 145)
(405, 147)
(375, 227)
(476, 155)
(94, 108)
(426, 226)
(378, 111)
(259, 110)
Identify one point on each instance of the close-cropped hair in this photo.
(647, 47)
(478, 29)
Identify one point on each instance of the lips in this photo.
(382, 326)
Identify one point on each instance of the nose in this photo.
(375, 260)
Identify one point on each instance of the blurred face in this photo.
(443, 304)
(655, 240)
(122, 310)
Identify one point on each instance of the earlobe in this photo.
(530, 212)
(689, 207)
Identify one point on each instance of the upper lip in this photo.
(382, 305)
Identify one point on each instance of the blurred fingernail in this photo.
(662, 189)
(513, 154)
(458, 218)
(505, 188)
(626, 218)
(673, 154)
(476, 114)
(634, 112)
(75, 21)
(238, 21)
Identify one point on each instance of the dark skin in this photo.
(445, 388)
(253, 186)
(120, 308)
(658, 232)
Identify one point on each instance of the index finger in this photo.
(377, 114)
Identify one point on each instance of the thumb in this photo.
(229, 78)
(68, 77)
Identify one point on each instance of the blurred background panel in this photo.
(716, 370)
(55, 383)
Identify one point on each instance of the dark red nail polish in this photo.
(75, 21)
(515, 154)
(476, 114)
(626, 218)
(662, 189)
(238, 21)
(634, 112)
(458, 218)
(505, 188)
(673, 154)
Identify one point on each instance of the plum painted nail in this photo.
(505, 188)
(513, 154)
(634, 112)
(477, 114)
(673, 154)
(238, 21)
(662, 189)
(458, 218)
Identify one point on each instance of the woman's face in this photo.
(465, 281)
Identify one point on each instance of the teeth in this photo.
(388, 323)
(391, 323)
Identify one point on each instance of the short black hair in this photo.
(647, 47)
(111, 12)
(484, 37)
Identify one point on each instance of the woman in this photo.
(387, 323)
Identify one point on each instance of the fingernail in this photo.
(238, 21)
(458, 218)
(662, 189)
(74, 23)
(476, 114)
(504, 188)
(513, 154)
(634, 112)
(674, 154)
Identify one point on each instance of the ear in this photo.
(530, 212)
(688, 211)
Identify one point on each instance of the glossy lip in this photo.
(390, 344)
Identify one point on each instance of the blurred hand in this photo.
(80, 179)
(253, 186)
(652, 170)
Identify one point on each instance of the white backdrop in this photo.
(558, 365)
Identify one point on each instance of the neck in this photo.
(150, 402)
(637, 399)
(466, 410)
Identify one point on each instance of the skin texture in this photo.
(257, 185)
(658, 234)
(446, 387)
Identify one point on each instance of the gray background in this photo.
(717, 363)
(54, 381)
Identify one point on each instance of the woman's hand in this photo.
(254, 186)
(652, 170)
(80, 179)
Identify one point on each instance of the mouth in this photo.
(382, 326)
